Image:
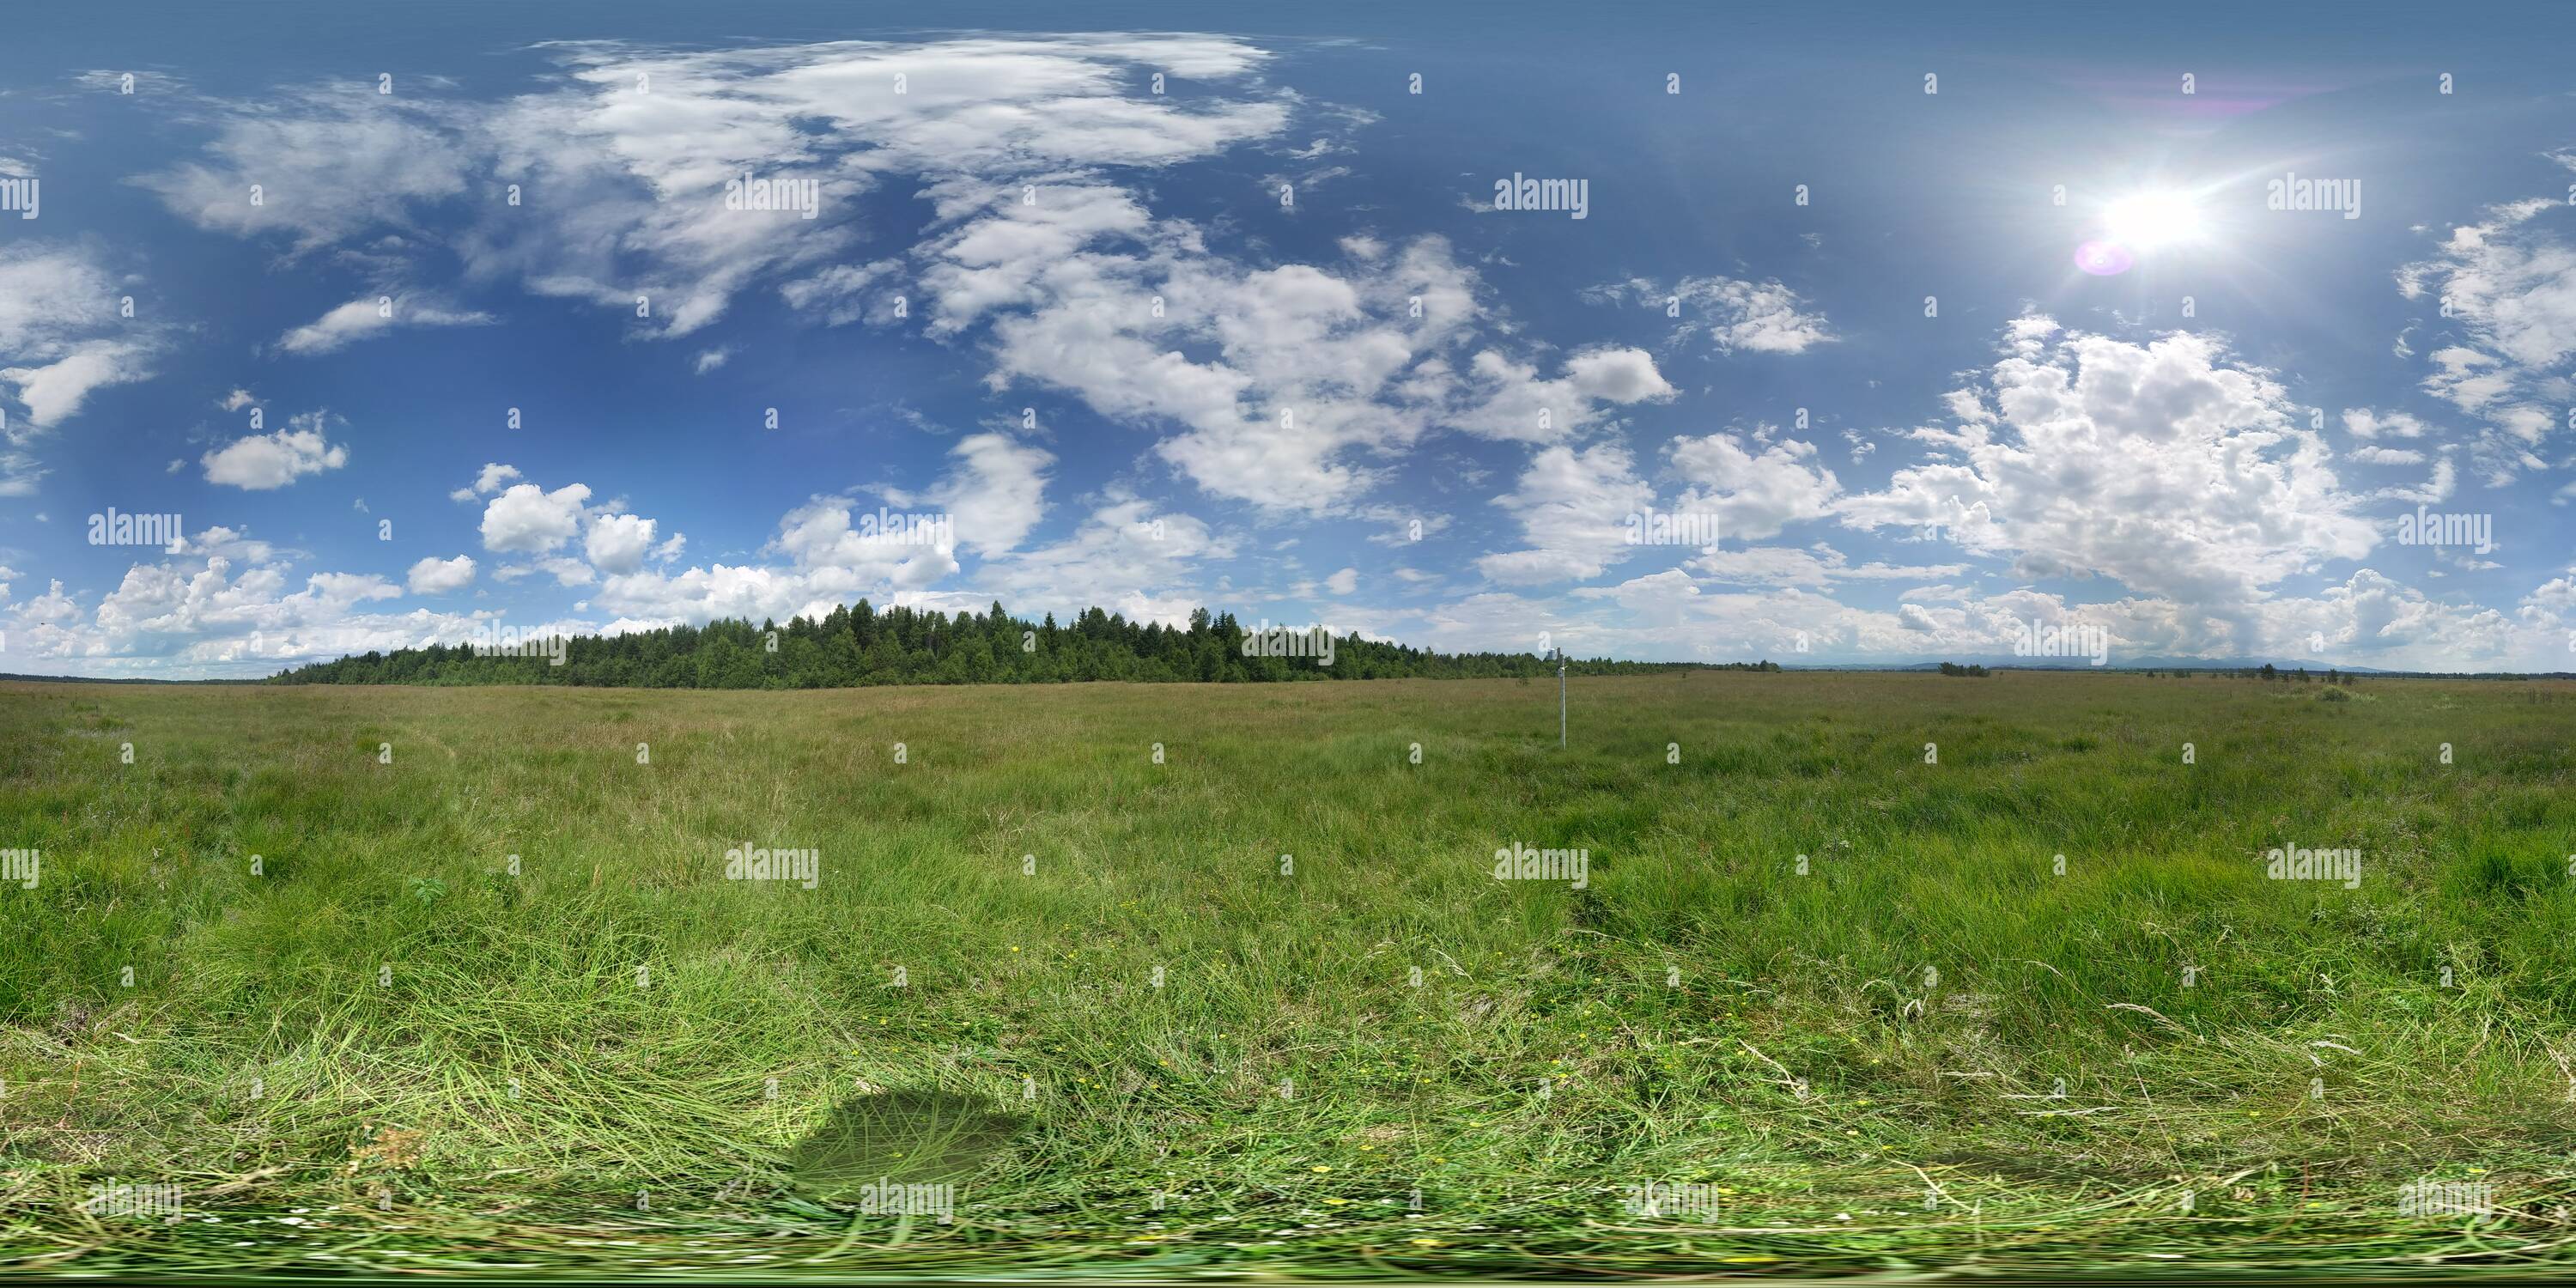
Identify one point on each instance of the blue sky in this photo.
(1264, 342)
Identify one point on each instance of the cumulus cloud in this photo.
(617, 543)
(833, 556)
(831, 552)
(1286, 384)
(262, 462)
(528, 519)
(224, 605)
(441, 576)
(1127, 555)
(2166, 467)
(487, 482)
(1754, 493)
(1573, 509)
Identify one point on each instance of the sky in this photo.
(1853, 335)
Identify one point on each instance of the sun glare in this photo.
(2147, 220)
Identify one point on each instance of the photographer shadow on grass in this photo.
(899, 1149)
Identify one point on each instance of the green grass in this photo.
(1862, 1062)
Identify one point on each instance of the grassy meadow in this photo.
(1845, 1003)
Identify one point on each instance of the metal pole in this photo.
(1560, 699)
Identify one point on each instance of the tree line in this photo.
(862, 645)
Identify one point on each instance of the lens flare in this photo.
(2104, 259)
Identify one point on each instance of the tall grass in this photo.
(1929, 1047)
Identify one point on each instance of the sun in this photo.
(2146, 220)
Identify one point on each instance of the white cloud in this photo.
(225, 605)
(567, 571)
(2507, 286)
(994, 496)
(487, 482)
(219, 542)
(2437, 488)
(61, 340)
(1819, 565)
(55, 391)
(617, 543)
(262, 462)
(1757, 317)
(2363, 422)
(1343, 582)
(1285, 383)
(1753, 493)
(331, 162)
(833, 557)
(1573, 508)
(1127, 555)
(634, 180)
(359, 319)
(2164, 466)
(441, 576)
(529, 519)
(2366, 620)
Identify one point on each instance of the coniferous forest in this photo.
(861, 645)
